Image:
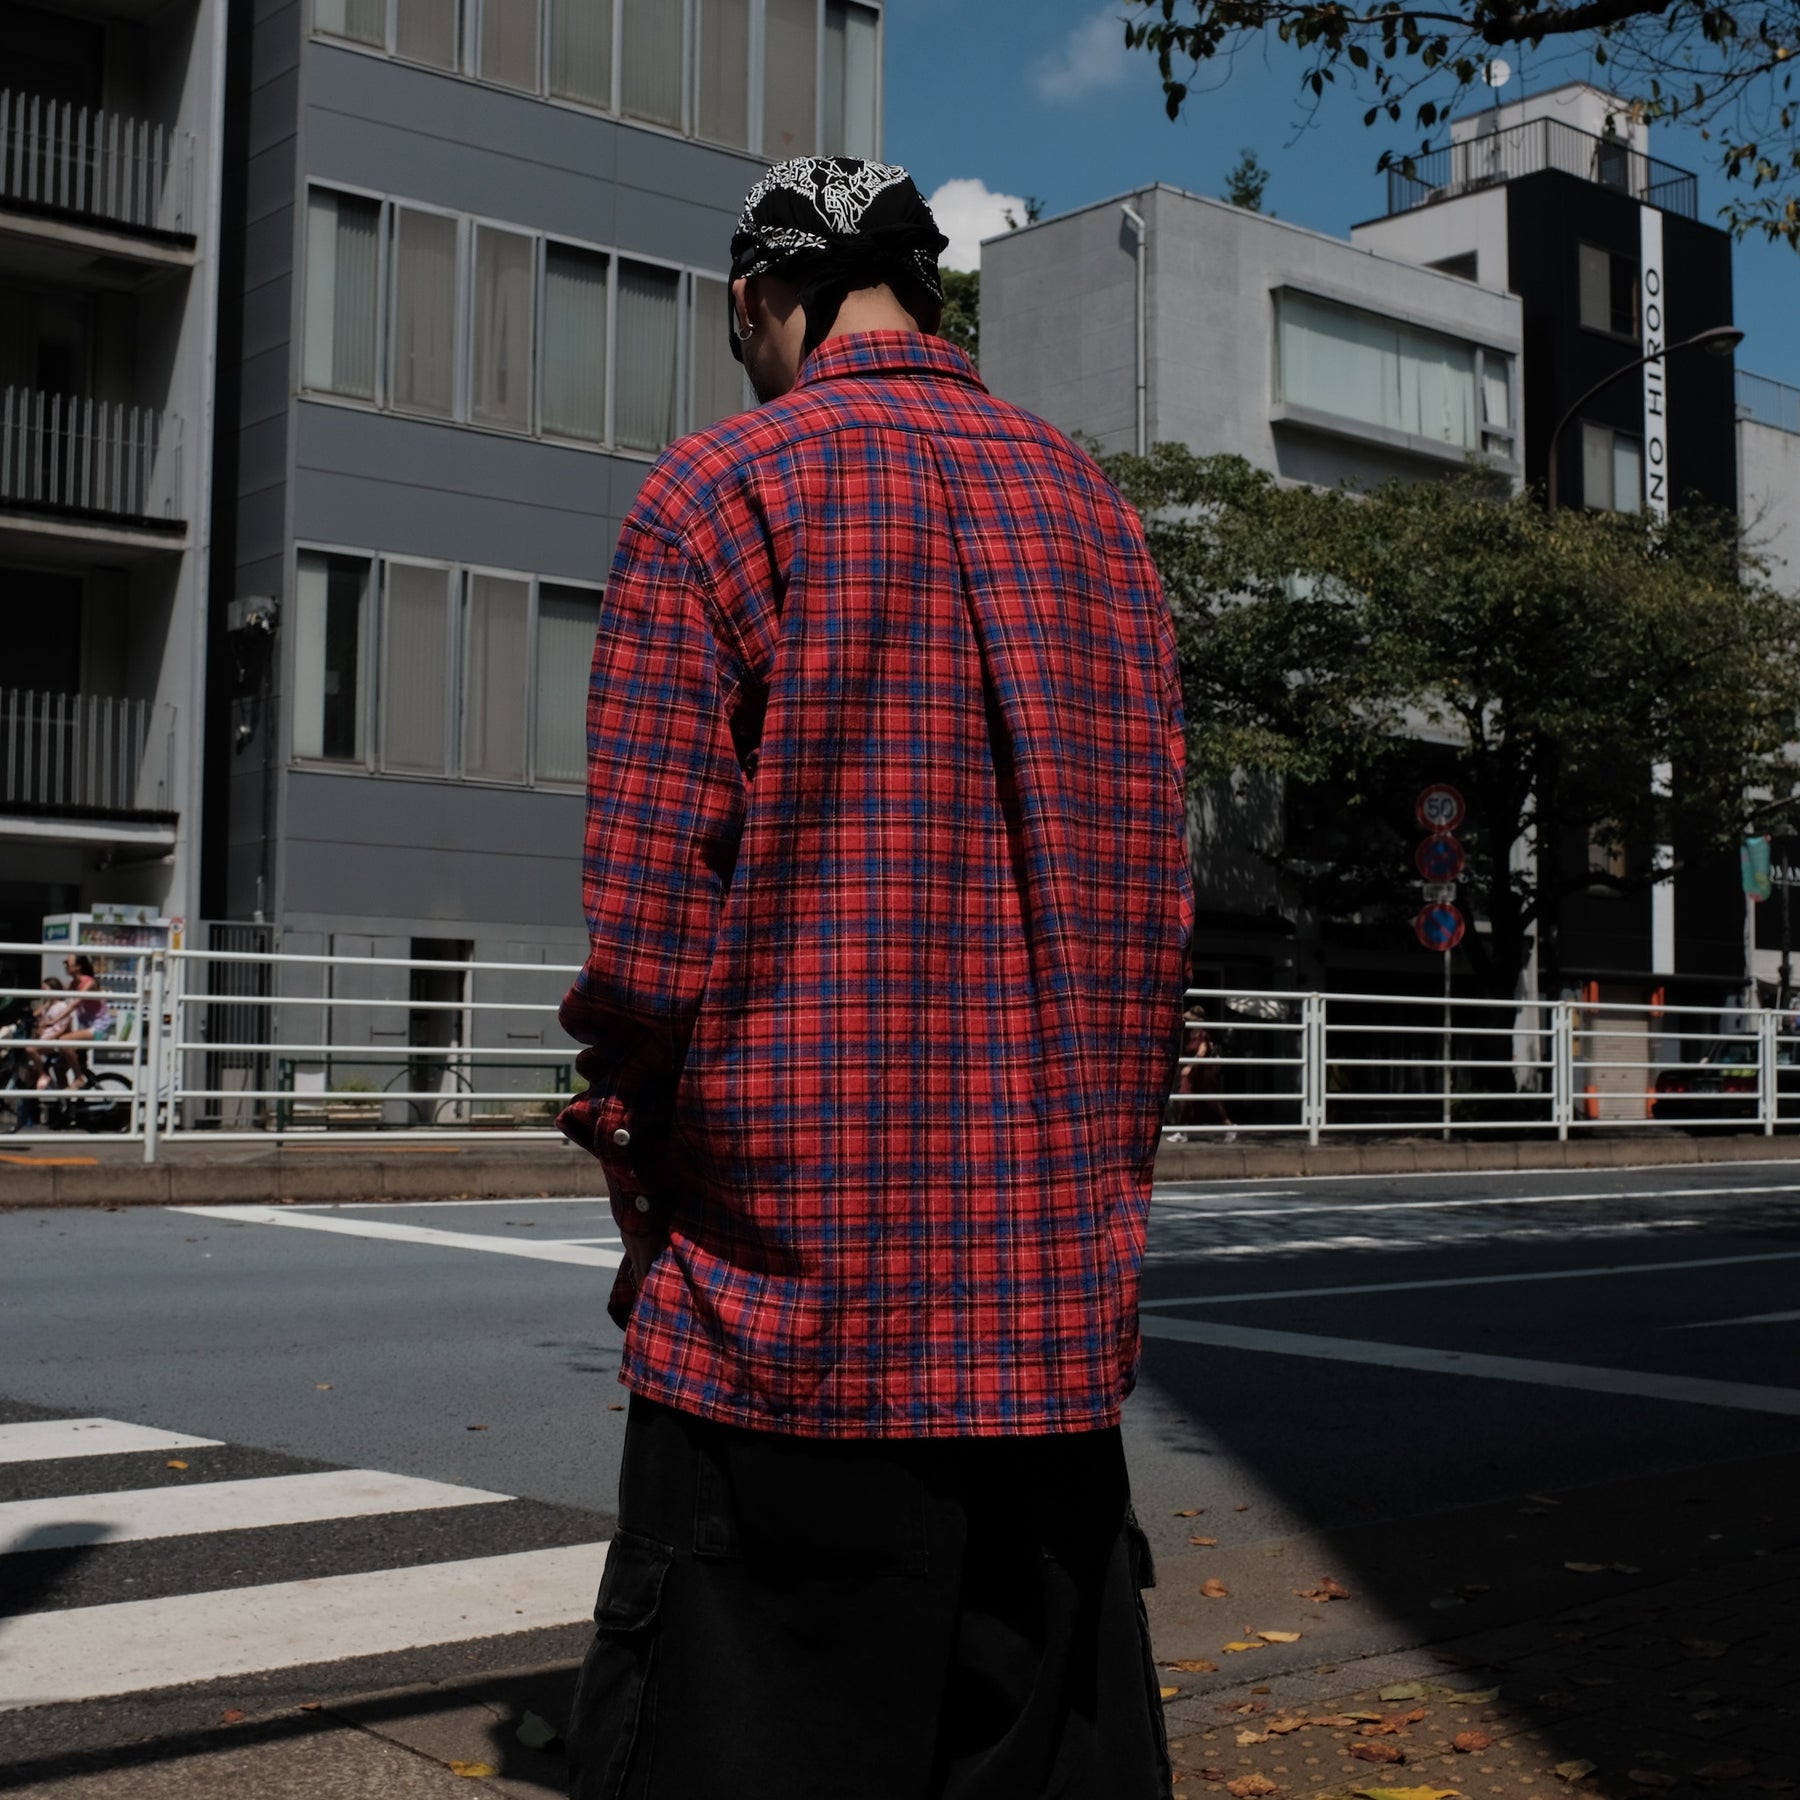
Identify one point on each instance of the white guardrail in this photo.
(259, 1047)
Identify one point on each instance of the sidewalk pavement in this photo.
(1627, 1641)
(73, 1169)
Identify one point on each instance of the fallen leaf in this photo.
(1468, 1742)
(1332, 1721)
(1247, 1738)
(1575, 1769)
(1279, 1637)
(1281, 1727)
(231, 1716)
(1262, 1690)
(1390, 1723)
(1190, 1512)
(1207, 1543)
(1194, 1665)
(1406, 1793)
(474, 1428)
(1233, 1648)
(312, 1705)
(1327, 1589)
(534, 1733)
(477, 1770)
(1169, 1693)
(620, 1407)
(324, 1387)
(1212, 1588)
(1245, 1706)
(1653, 1778)
(1364, 1751)
(174, 1462)
(1730, 1768)
(1474, 1697)
(1587, 1568)
(1247, 1787)
(1404, 1690)
(1242, 1506)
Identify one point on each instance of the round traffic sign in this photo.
(1440, 857)
(1440, 807)
(1439, 927)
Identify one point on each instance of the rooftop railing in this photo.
(1531, 148)
(84, 753)
(88, 164)
(1768, 402)
(65, 454)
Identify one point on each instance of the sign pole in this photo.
(1447, 1042)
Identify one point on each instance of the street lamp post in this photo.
(1720, 340)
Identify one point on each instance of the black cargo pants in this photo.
(939, 1619)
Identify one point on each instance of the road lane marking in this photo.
(519, 1203)
(540, 1250)
(1775, 1318)
(1385, 1206)
(1597, 1172)
(1462, 1281)
(1687, 1390)
(48, 1440)
(131, 1514)
(82, 1653)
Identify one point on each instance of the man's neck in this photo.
(871, 309)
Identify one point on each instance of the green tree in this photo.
(1357, 645)
(961, 324)
(1245, 181)
(1726, 67)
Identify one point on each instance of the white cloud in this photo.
(1089, 60)
(966, 213)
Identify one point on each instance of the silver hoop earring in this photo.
(744, 332)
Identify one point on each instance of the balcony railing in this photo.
(1768, 402)
(87, 164)
(63, 454)
(81, 753)
(1529, 149)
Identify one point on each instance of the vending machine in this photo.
(100, 935)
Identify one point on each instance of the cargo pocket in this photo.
(611, 1720)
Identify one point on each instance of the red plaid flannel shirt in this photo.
(887, 890)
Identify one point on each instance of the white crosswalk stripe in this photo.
(56, 1651)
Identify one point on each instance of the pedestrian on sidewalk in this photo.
(886, 885)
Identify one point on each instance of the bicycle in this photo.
(88, 1101)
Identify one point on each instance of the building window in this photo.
(574, 379)
(852, 79)
(361, 21)
(1378, 371)
(790, 63)
(650, 58)
(343, 253)
(1612, 469)
(423, 313)
(415, 669)
(509, 52)
(1609, 291)
(427, 31)
(567, 620)
(581, 42)
(718, 376)
(645, 368)
(504, 329)
(496, 659)
(722, 55)
(331, 600)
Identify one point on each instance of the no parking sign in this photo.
(1439, 927)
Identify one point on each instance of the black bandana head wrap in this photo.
(831, 223)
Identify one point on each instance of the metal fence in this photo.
(82, 161)
(233, 1043)
(1529, 148)
(64, 453)
(1768, 402)
(84, 753)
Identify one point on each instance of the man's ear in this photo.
(740, 303)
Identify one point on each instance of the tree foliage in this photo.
(1357, 645)
(961, 323)
(1727, 68)
(1245, 181)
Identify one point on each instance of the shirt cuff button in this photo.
(642, 1203)
(621, 1137)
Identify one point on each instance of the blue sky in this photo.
(1039, 97)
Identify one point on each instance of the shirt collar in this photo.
(886, 353)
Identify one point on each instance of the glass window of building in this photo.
(422, 322)
(1609, 297)
(650, 61)
(361, 21)
(1378, 371)
(722, 80)
(1612, 469)
(574, 372)
(790, 75)
(567, 620)
(496, 646)
(851, 79)
(718, 377)
(343, 253)
(426, 31)
(415, 670)
(581, 43)
(647, 356)
(504, 308)
(331, 596)
(509, 53)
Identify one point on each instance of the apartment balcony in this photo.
(82, 768)
(89, 472)
(92, 196)
(1490, 159)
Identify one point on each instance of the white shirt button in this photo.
(621, 1137)
(642, 1203)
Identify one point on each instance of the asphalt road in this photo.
(1363, 1376)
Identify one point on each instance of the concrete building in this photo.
(110, 181)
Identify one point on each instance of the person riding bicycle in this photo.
(91, 1018)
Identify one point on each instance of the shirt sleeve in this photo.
(665, 810)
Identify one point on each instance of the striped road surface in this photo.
(135, 1559)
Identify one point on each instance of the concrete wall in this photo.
(1769, 487)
